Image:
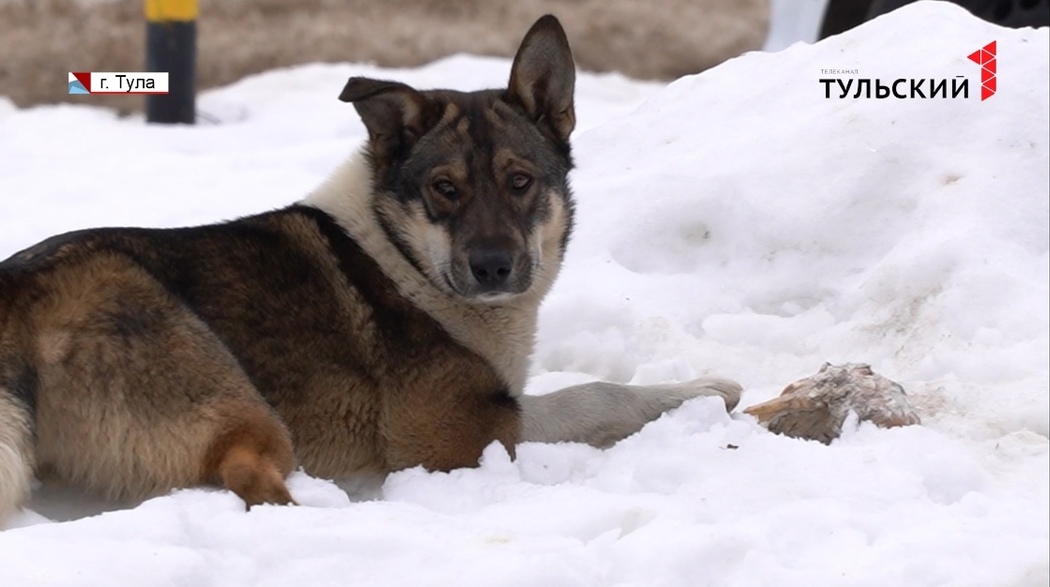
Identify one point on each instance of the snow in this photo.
(735, 223)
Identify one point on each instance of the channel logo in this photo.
(118, 82)
(985, 57)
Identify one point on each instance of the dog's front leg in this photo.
(601, 413)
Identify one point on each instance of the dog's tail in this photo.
(16, 456)
(17, 395)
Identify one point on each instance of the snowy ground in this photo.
(735, 223)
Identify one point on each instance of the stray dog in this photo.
(384, 322)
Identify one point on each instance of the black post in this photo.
(171, 46)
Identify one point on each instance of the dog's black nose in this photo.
(491, 267)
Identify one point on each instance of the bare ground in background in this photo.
(41, 40)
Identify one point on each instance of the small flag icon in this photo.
(76, 86)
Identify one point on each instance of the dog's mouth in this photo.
(488, 294)
(496, 297)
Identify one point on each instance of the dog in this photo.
(383, 322)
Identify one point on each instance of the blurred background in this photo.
(41, 40)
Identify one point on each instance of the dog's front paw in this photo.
(727, 389)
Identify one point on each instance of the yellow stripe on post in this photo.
(171, 46)
(171, 10)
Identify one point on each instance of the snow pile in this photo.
(737, 223)
(776, 228)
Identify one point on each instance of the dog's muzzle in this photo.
(492, 272)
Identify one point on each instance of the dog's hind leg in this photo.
(601, 413)
(137, 395)
(252, 459)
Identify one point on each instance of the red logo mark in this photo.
(985, 57)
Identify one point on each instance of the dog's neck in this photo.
(503, 334)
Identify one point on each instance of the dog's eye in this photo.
(520, 182)
(445, 189)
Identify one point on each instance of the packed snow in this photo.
(735, 223)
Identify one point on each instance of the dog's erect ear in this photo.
(543, 77)
(395, 115)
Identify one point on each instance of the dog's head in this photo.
(472, 187)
